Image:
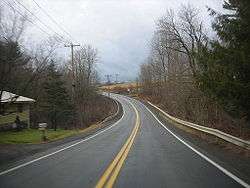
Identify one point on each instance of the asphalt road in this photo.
(136, 151)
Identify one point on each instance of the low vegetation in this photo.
(201, 79)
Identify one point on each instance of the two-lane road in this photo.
(136, 151)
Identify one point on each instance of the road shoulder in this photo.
(11, 154)
(235, 160)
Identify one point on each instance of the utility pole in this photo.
(73, 68)
(73, 75)
(116, 78)
(72, 61)
(108, 76)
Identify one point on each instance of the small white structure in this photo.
(8, 97)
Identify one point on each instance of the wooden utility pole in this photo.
(72, 60)
(73, 69)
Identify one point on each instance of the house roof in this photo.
(11, 97)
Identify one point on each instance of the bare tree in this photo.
(19, 68)
(168, 76)
(185, 30)
(85, 80)
(85, 60)
(12, 24)
(169, 71)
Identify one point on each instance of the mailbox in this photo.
(42, 126)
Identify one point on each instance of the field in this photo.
(120, 88)
(122, 85)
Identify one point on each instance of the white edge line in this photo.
(60, 150)
(234, 177)
(215, 132)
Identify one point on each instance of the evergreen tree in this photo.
(225, 67)
(58, 103)
(12, 63)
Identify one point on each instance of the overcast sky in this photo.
(120, 29)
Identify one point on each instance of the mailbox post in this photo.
(42, 128)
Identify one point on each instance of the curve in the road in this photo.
(222, 169)
(153, 156)
(110, 175)
(63, 149)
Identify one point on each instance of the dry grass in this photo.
(123, 85)
(124, 88)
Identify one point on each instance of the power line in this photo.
(17, 10)
(61, 37)
(9, 4)
(53, 20)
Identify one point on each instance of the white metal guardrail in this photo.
(113, 115)
(215, 132)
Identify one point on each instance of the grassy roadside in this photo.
(34, 136)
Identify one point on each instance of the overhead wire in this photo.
(52, 19)
(15, 9)
(57, 34)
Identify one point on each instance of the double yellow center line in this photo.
(109, 176)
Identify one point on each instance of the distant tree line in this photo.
(66, 96)
(198, 78)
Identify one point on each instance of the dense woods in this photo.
(66, 96)
(200, 78)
